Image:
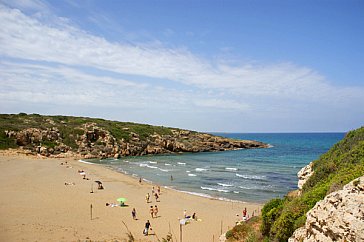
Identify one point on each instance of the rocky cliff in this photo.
(303, 175)
(324, 208)
(91, 138)
(338, 217)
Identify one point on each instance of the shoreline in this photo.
(198, 194)
(34, 198)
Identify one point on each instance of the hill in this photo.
(322, 178)
(58, 136)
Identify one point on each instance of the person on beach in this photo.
(133, 214)
(112, 205)
(194, 217)
(244, 213)
(82, 173)
(152, 190)
(156, 211)
(146, 228)
(147, 197)
(159, 190)
(140, 180)
(156, 197)
(185, 213)
(151, 210)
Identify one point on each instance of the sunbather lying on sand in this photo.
(112, 205)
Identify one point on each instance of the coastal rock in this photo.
(304, 174)
(338, 217)
(89, 140)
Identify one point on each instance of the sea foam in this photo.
(200, 169)
(225, 185)
(251, 177)
(82, 161)
(214, 189)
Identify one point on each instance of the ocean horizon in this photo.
(251, 175)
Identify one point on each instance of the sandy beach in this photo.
(36, 205)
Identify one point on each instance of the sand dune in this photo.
(36, 205)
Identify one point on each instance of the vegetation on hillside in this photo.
(341, 164)
(98, 138)
(69, 127)
(247, 232)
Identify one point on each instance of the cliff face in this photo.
(338, 217)
(91, 140)
(321, 210)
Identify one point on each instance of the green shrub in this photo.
(341, 164)
(283, 227)
(270, 211)
(49, 144)
(300, 221)
(5, 142)
(229, 234)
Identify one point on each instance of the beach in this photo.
(37, 205)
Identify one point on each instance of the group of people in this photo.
(154, 211)
(147, 226)
(83, 174)
(154, 193)
(194, 216)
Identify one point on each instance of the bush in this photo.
(270, 211)
(341, 164)
(283, 228)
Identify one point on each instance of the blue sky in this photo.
(234, 66)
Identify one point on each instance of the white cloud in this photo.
(26, 37)
(57, 50)
(27, 5)
(60, 85)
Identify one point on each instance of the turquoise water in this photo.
(255, 175)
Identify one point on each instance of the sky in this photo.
(214, 66)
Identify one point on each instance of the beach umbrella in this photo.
(121, 199)
(98, 182)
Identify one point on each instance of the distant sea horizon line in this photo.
(295, 132)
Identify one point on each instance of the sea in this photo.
(246, 175)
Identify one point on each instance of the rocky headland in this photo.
(60, 136)
(338, 217)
